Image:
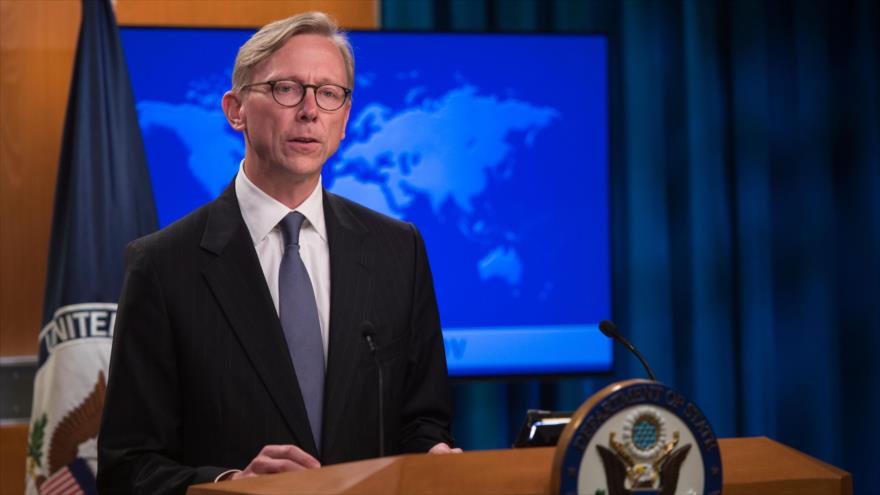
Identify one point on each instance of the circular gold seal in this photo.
(637, 436)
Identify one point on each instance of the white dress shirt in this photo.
(261, 214)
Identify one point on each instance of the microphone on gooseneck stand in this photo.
(368, 331)
(610, 331)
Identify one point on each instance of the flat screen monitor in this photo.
(494, 145)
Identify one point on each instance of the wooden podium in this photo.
(754, 466)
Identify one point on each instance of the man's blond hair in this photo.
(272, 37)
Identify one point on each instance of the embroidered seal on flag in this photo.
(69, 398)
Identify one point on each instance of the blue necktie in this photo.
(299, 319)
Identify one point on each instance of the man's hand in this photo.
(279, 459)
(442, 448)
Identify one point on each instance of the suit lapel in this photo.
(236, 279)
(349, 290)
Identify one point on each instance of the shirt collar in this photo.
(261, 212)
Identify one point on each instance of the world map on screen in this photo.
(494, 147)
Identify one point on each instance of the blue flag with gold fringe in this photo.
(103, 200)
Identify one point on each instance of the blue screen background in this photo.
(495, 146)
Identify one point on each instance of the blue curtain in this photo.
(746, 212)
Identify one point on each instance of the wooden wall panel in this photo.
(37, 47)
(351, 14)
(13, 441)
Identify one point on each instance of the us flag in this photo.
(75, 479)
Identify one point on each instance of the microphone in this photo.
(610, 330)
(368, 331)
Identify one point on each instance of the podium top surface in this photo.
(762, 466)
(750, 465)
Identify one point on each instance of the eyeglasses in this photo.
(289, 93)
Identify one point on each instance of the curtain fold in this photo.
(746, 212)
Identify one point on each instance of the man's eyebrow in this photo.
(318, 82)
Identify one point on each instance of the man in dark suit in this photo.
(239, 343)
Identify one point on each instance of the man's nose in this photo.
(308, 107)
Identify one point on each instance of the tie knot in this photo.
(290, 226)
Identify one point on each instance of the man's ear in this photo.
(232, 109)
(345, 120)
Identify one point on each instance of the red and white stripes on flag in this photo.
(61, 483)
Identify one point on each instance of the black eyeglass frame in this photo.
(347, 92)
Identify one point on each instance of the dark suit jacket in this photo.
(200, 377)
